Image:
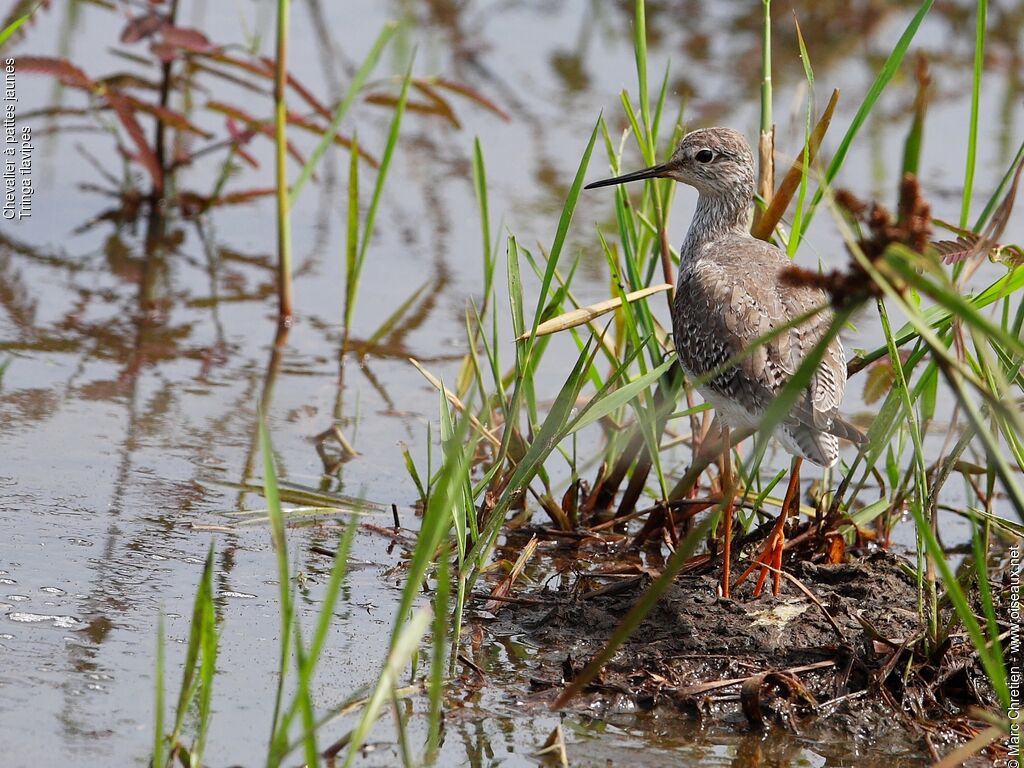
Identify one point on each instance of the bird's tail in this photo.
(843, 429)
(815, 445)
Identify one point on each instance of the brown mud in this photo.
(846, 665)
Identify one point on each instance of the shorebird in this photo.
(729, 295)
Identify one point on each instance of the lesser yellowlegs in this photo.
(728, 296)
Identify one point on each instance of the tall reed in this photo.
(284, 234)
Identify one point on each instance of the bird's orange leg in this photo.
(771, 557)
(728, 492)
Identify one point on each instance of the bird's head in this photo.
(716, 161)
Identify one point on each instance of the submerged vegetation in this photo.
(582, 503)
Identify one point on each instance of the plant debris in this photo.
(846, 660)
(910, 227)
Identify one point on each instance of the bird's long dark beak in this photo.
(654, 172)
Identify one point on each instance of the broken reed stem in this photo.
(766, 144)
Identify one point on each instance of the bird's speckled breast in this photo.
(700, 348)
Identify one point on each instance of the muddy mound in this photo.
(839, 654)
(788, 630)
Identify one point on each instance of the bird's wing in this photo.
(825, 392)
(730, 306)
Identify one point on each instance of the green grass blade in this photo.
(938, 317)
(921, 492)
(354, 88)
(560, 234)
(197, 629)
(640, 54)
(382, 174)
(304, 699)
(662, 100)
(442, 594)
(352, 239)
(766, 67)
(885, 75)
(552, 431)
(524, 389)
(636, 128)
(972, 137)
(790, 392)
(480, 189)
(437, 519)
(277, 533)
(523, 383)
(395, 317)
(308, 660)
(957, 306)
(401, 727)
(339, 569)
(598, 408)
(207, 671)
(996, 673)
(979, 542)
(459, 508)
(15, 25)
(405, 644)
(159, 705)
(1000, 190)
(798, 213)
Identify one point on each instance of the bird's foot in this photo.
(769, 561)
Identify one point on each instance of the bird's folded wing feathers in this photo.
(749, 314)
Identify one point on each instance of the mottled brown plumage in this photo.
(729, 295)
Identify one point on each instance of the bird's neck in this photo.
(715, 217)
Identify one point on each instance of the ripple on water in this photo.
(62, 622)
(77, 541)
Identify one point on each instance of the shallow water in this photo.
(128, 402)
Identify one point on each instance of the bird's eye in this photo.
(704, 156)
